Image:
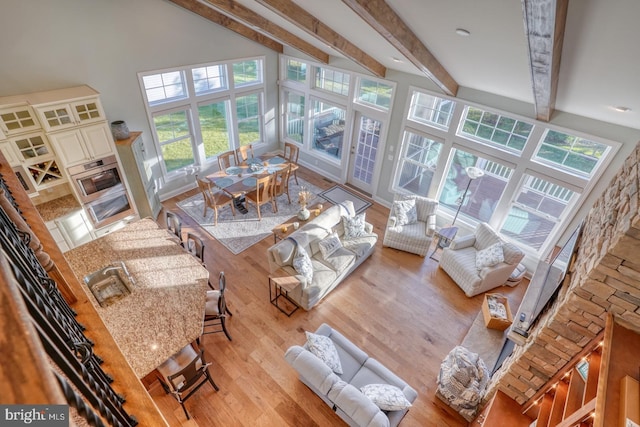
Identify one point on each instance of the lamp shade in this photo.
(474, 172)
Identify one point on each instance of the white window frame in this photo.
(192, 101)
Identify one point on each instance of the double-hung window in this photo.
(534, 176)
(200, 111)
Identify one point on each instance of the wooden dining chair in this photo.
(262, 195)
(214, 199)
(291, 153)
(174, 225)
(227, 159)
(281, 184)
(245, 152)
(184, 373)
(216, 310)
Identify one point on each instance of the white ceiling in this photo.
(600, 65)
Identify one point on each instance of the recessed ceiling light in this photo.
(396, 59)
(462, 32)
(622, 109)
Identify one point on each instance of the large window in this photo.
(419, 160)
(218, 108)
(496, 129)
(328, 123)
(294, 116)
(534, 177)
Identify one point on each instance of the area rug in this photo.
(239, 233)
(337, 194)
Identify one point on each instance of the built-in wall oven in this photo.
(101, 190)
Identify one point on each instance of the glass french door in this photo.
(364, 150)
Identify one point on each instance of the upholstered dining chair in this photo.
(216, 310)
(245, 152)
(174, 225)
(291, 153)
(227, 159)
(214, 199)
(184, 373)
(262, 195)
(281, 184)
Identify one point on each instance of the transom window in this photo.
(210, 79)
(296, 70)
(495, 128)
(374, 93)
(431, 110)
(220, 108)
(164, 87)
(332, 81)
(571, 153)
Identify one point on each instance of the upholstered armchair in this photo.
(411, 224)
(481, 261)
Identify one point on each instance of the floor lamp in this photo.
(473, 173)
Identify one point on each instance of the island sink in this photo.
(110, 284)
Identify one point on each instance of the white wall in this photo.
(52, 44)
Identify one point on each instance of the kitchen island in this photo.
(165, 309)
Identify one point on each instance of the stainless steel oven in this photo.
(109, 208)
(97, 179)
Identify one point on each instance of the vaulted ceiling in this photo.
(577, 56)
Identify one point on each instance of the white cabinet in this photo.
(31, 146)
(139, 175)
(83, 144)
(65, 115)
(75, 228)
(57, 236)
(9, 153)
(17, 119)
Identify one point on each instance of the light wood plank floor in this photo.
(398, 307)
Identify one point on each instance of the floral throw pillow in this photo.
(302, 263)
(386, 396)
(405, 211)
(353, 226)
(329, 245)
(323, 347)
(490, 256)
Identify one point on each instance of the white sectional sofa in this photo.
(342, 392)
(327, 272)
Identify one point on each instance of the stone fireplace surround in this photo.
(605, 277)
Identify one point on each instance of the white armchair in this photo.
(415, 236)
(470, 264)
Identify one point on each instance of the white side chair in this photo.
(459, 261)
(417, 236)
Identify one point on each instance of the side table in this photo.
(281, 288)
(444, 237)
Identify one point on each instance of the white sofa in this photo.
(459, 261)
(327, 273)
(358, 370)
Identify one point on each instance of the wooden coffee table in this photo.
(285, 229)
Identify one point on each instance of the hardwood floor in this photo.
(398, 307)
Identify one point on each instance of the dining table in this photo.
(242, 178)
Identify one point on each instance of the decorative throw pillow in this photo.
(386, 396)
(490, 256)
(302, 263)
(405, 211)
(323, 347)
(353, 226)
(329, 245)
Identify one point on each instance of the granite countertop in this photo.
(59, 207)
(165, 309)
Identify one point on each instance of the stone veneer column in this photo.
(604, 278)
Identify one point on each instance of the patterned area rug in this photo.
(337, 194)
(239, 233)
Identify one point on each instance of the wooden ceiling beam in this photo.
(235, 26)
(248, 17)
(293, 13)
(379, 15)
(544, 23)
